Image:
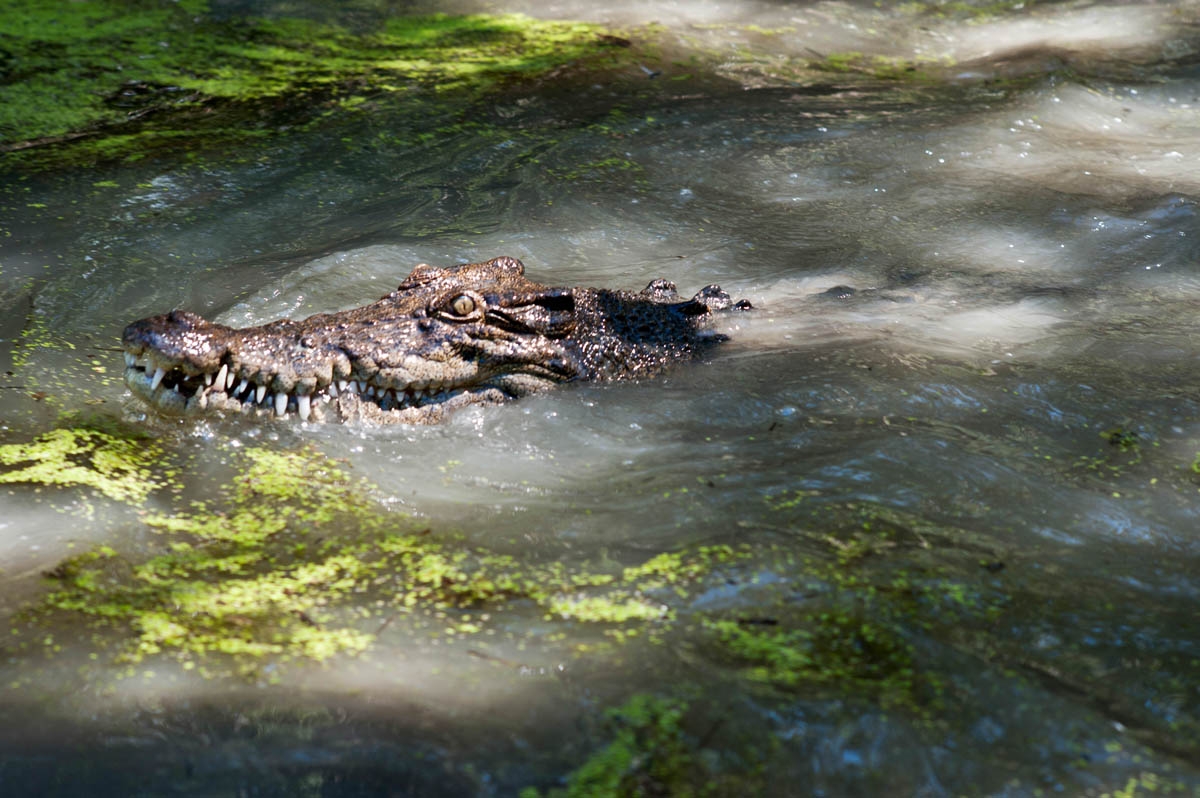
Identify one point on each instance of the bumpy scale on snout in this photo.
(476, 333)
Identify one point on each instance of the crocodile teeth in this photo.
(362, 386)
(221, 374)
(242, 386)
(158, 377)
(342, 385)
(349, 387)
(280, 403)
(130, 360)
(259, 393)
(332, 389)
(208, 379)
(303, 405)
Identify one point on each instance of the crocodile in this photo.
(477, 333)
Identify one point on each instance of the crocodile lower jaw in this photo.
(176, 392)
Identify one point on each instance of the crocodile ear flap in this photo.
(550, 312)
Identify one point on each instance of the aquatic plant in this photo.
(282, 565)
(121, 80)
(121, 469)
(650, 753)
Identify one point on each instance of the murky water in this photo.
(957, 436)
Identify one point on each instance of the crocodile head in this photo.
(447, 337)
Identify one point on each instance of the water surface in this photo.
(954, 445)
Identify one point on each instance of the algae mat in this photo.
(121, 80)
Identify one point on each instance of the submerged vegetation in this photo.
(122, 79)
(650, 753)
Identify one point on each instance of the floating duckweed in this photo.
(120, 469)
(673, 568)
(959, 9)
(277, 569)
(607, 609)
(36, 335)
(651, 752)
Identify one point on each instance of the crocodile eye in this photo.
(462, 305)
(459, 307)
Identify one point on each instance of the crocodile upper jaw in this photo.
(176, 390)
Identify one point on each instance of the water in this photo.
(976, 466)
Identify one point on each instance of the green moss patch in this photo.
(112, 70)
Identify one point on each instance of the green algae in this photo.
(889, 594)
(119, 468)
(868, 613)
(599, 170)
(296, 562)
(647, 755)
(845, 652)
(650, 753)
(120, 79)
(890, 68)
(37, 335)
(1150, 783)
